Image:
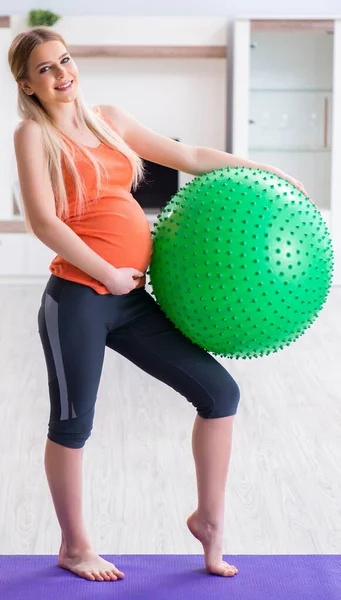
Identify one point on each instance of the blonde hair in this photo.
(29, 107)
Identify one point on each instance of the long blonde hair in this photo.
(29, 107)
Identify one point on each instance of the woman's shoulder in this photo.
(111, 113)
(27, 124)
(107, 110)
(27, 129)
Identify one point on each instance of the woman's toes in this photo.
(112, 575)
(230, 570)
(98, 577)
(119, 574)
(104, 575)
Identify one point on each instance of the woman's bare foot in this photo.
(89, 565)
(211, 539)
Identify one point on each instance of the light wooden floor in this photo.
(284, 488)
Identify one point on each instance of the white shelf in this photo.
(293, 90)
(291, 150)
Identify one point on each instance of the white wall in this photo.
(176, 7)
(179, 98)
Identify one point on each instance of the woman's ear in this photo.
(26, 88)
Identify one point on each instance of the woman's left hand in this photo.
(298, 184)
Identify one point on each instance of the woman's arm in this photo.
(195, 160)
(38, 198)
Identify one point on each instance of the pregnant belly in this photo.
(121, 237)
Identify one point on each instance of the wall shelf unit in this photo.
(119, 51)
(13, 226)
(5, 22)
(287, 76)
(293, 25)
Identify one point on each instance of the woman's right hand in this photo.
(123, 280)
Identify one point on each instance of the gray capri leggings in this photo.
(75, 326)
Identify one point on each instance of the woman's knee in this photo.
(72, 433)
(69, 440)
(221, 397)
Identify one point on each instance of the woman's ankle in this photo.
(73, 547)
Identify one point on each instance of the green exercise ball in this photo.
(242, 262)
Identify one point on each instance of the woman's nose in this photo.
(60, 73)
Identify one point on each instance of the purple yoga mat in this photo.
(176, 577)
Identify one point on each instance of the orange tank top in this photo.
(113, 224)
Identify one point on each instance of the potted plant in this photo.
(41, 18)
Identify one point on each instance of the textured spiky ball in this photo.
(242, 262)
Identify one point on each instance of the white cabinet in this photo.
(39, 257)
(24, 255)
(12, 253)
(287, 79)
(8, 120)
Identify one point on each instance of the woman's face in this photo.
(57, 69)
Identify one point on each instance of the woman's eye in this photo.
(67, 58)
